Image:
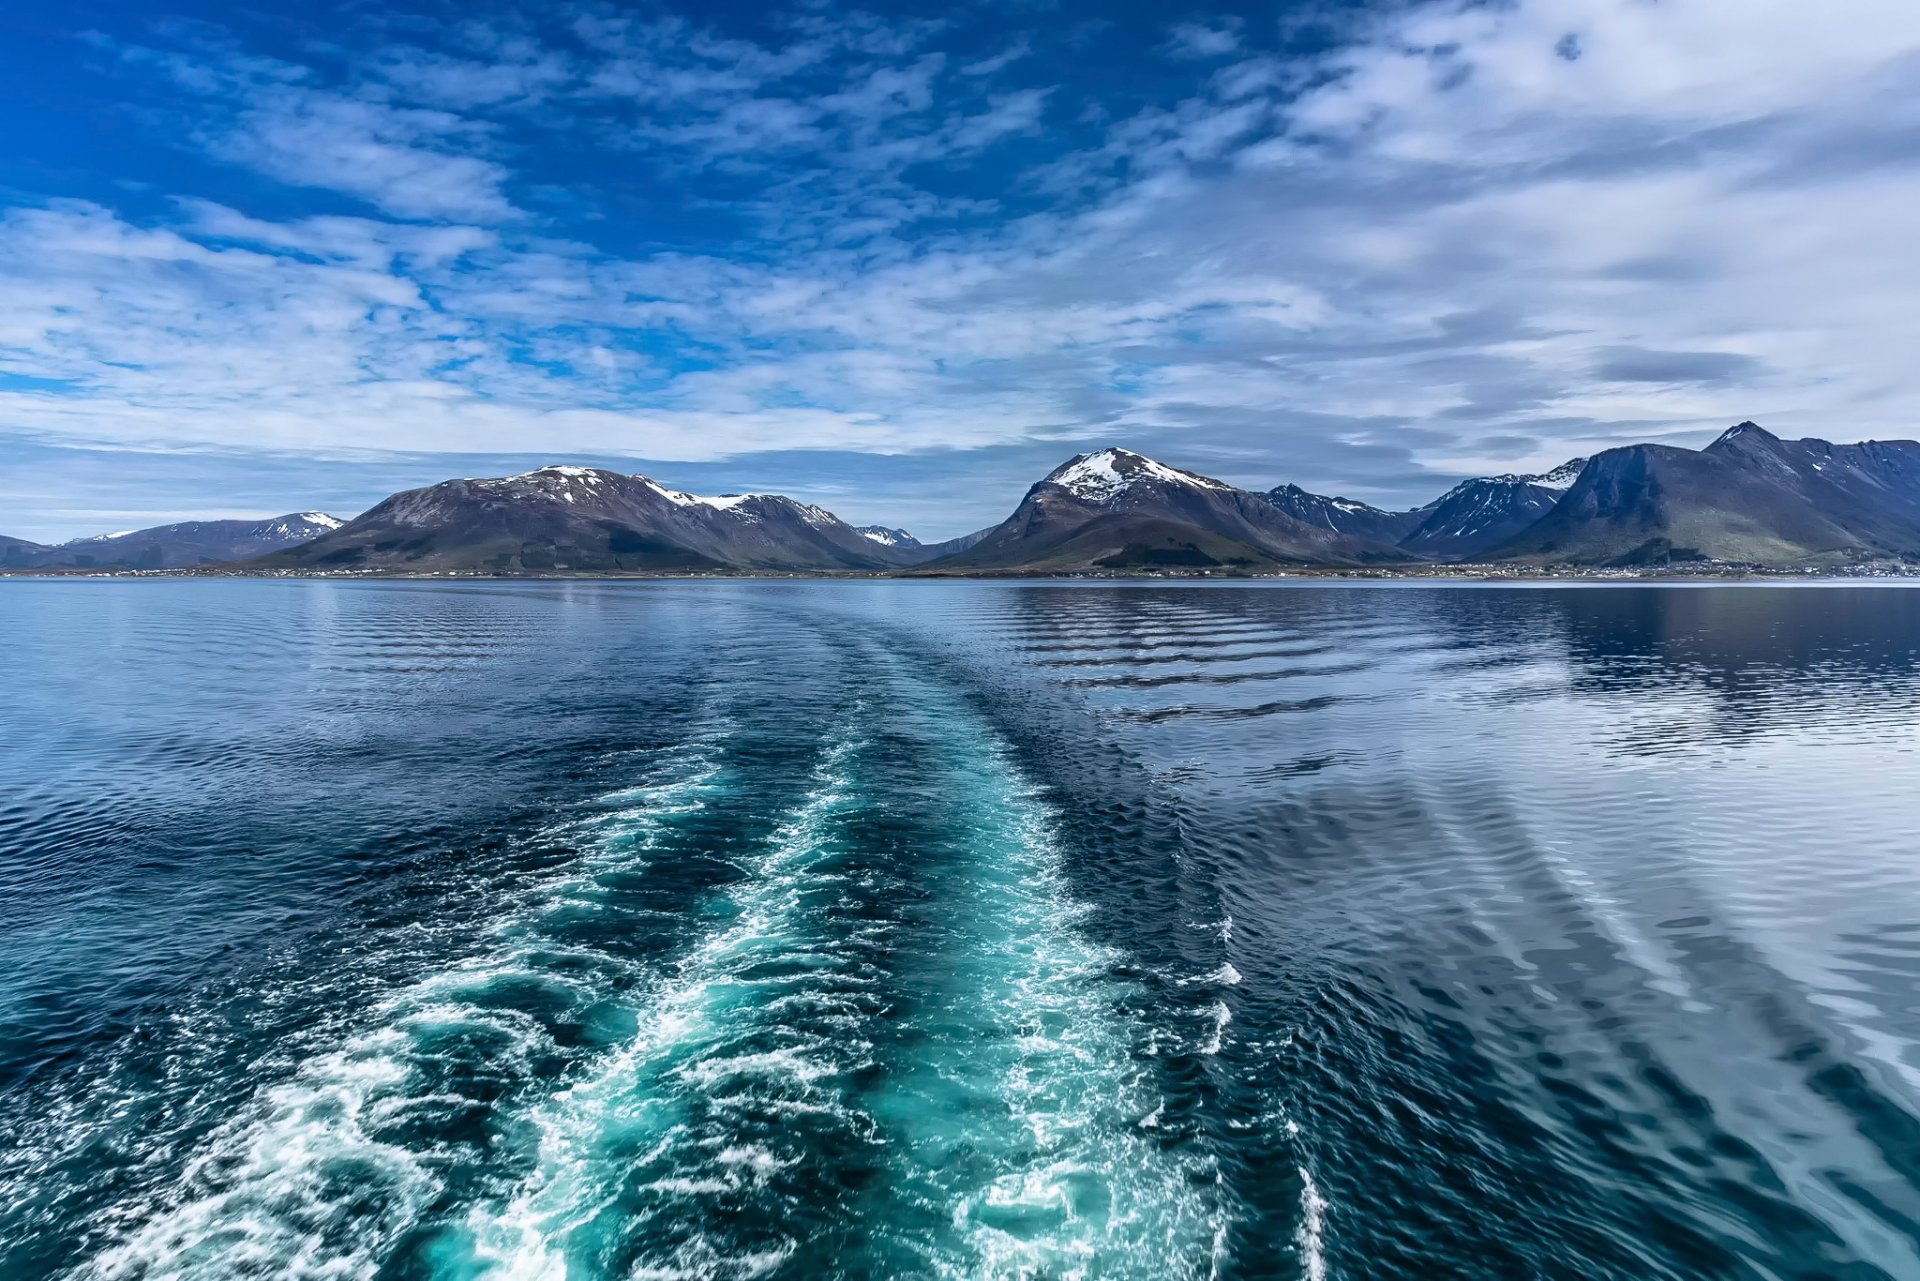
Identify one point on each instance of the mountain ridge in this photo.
(1748, 498)
(180, 545)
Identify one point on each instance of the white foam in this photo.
(1221, 1016)
(295, 1185)
(1226, 975)
(683, 1021)
(1312, 1237)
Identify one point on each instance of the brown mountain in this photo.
(1118, 510)
(587, 520)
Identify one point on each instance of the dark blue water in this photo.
(875, 930)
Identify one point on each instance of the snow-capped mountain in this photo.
(1476, 516)
(1115, 509)
(589, 520)
(187, 543)
(1344, 515)
(887, 537)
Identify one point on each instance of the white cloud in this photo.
(413, 162)
(1456, 232)
(1204, 40)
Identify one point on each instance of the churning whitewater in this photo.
(825, 1009)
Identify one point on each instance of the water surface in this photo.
(864, 929)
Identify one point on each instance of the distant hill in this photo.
(588, 520)
(1118, 510)
(178, 546)
(1748, 497)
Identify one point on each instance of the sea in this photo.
(573, 930)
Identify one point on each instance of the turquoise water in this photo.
(565, 930)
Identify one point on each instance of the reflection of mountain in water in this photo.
(1598, 897)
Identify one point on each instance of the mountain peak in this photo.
(887, 536)
(1105, 474)
(1745, 433)
(1561, 477)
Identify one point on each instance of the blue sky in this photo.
(901, 260)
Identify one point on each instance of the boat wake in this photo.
(879, 1041)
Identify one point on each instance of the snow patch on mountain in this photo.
(1561, 477)
(1103, 476)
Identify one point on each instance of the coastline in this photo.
(1684, 573)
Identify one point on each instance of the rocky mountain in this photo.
(1476, 516)
(1462, 524)
(588, 520)
(911, 551)
(1118, 510)
(1748, 497)
(888, 537)
(179, 546)
(1345, 515)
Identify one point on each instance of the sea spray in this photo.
(324, 1173)
(737, 1063)
(897, 1053)
(1029, 1114)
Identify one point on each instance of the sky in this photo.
(902, 260)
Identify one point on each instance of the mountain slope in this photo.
(1118, 510)
(1476, 516)
(586, 520)
(187, 543)
(1872, 489)
(1344, 515)
(1748, 497)
(18, 553)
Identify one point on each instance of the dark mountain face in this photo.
(1476, 516)
(1748, 497)
(1872, 489)
(586, 520)
(1344, 515)
(1467, 521)
(1117, 510)
(18, 553)
(187, 544)
(963, 543)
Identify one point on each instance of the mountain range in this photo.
(1748, 498)
(1468, 521)
(179, 546)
